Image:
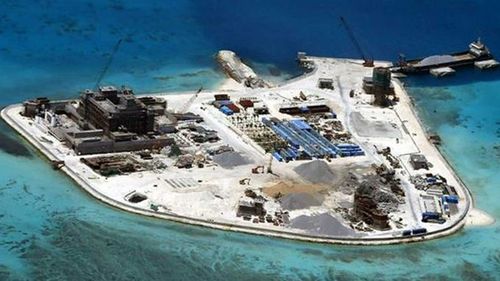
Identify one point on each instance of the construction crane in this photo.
(186, 106)
(108, 63)
(368, 62)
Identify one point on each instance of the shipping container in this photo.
(300, 124)
(233, 107)
(246, 103)
(220, 103)
(292, 153)
(427, 216)
(418, 231)
(224, 109)
(318, 108)
(277, 156)
(406, 232)
(220, 97)
(452, 199)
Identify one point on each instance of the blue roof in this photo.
(226, 110)
(300, 124)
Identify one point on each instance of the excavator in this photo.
(258, 170)
(261, 169)
(245, 181)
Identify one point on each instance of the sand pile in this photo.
(316, 171)
(322, 224)
(379, 129)
(301, 200)
(231, 159)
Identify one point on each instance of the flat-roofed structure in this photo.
(111, 110)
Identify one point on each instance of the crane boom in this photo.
(186, 106)
(367, 62)
(108, 63)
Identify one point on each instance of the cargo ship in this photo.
(477, 52)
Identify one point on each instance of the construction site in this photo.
(336, 154)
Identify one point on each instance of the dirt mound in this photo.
(378, 129)
(316, 171)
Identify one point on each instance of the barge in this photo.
(477, 52)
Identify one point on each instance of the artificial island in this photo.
(336, 155)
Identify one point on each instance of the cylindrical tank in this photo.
(382, 77)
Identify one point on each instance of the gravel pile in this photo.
(322, 224)
(297, 201)
(231, 159)
(316, 171)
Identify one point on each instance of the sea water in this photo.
(51, 229)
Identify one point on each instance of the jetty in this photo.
(234, 68)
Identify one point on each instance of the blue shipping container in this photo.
(224, 109)
(452, 199)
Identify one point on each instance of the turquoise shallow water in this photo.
(50, 229)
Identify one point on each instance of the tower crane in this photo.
(368, 62)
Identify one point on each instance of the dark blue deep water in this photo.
(51, 230)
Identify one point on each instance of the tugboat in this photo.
(477, 52)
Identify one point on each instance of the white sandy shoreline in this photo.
(457, 225)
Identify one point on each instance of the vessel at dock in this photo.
(477, 52)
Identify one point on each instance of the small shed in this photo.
(325, 83)
(219, 97)
(246, 103)
(260, 109)
(233, 107)
(418, 161)
(226, 110)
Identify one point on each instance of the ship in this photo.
(477, 52)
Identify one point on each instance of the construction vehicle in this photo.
(245, 181)
(302, 96)
(368, 62)
(258, 170)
